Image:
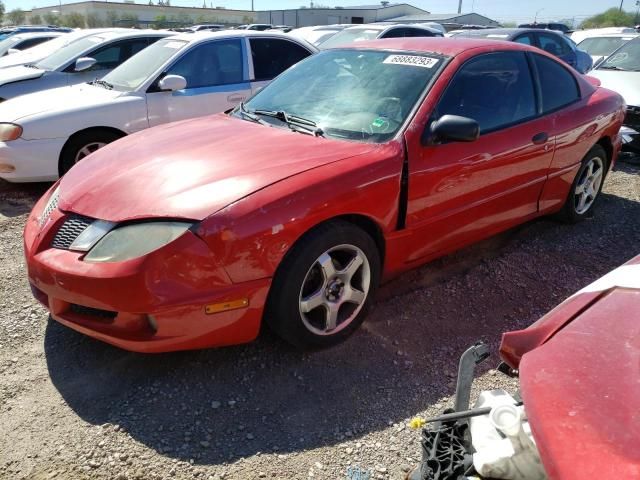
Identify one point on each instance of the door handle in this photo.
(540, 138)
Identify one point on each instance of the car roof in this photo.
(27, 35)
(450, 47)
(207, 35)
(131, 33)
(611, 35)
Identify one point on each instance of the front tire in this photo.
(83, 144)
(586, 186)
(324, 287)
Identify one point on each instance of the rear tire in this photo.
(586, 187)
(82, 144)
(324, 287)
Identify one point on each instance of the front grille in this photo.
(632, 117)
(69, 231)
(94, 313)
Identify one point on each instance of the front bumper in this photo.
(156, 303)
(30, 160)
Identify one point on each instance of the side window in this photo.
(210, 64)
(553, 44)
(495, 89)
(110, 56)
(396, 33)
(524, 39)
(559, 87)
(32, 42)
(272, 56)
(419, 32)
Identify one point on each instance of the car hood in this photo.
(580, 388)
(192, 169)
(626, 84)
(55, 100)
(19, 73)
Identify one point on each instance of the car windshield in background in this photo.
(351, 35)
(68, 53)
(626, 58)
(602, 46)
(136, 70)
(363, 95)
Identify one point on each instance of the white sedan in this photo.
(44, 134)
(24, 41)
(81, 61)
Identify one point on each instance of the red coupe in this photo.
(354, 165)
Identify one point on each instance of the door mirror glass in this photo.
(84, 63)
(171, 83)
(452, 128)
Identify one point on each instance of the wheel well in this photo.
(369, 226)
(605, 142)
(115, 131)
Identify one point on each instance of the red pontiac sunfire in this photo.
(351, 167)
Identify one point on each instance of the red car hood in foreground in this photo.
(580, 379)
(192, 169)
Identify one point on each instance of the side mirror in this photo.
(84, 63)
(171, 83)
(451, 128)
(11, 51)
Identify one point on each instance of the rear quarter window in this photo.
(558, 86)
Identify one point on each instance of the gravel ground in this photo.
(71, 407)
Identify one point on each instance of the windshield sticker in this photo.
(413, 60)
(379, 122)
(173, 45)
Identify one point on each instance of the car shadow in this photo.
(220, 405)
(17, 199)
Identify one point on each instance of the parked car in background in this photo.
(620, 72)
(255, 26)
(580, 35)
(355, 165)
(601, 46)
(558, 27)
(8, 31)
(317, 34)
(181, 77)
(281, 28)
(40, 52)
(78, 62)
(207, 26)
(23, 41)
(551, 42)
(361, 33)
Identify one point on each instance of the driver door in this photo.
(461, 192)
(217, 79)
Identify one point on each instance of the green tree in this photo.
(94, 21)
(35, 19)
(50, 19)
(611, 18)
(1, 10)
(16, 16)
(128, 20)
(160, 22)
(73, 20)
(112, 18)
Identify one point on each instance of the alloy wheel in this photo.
(88, 149)
(588, 185)
(334, 289)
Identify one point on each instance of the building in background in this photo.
(306, 17)
(97, 13)
(450, 21)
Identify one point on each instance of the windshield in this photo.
(137, 69)
(602, 46)
(363, 95)
(69, 52)
(351, 35)
(627, 57)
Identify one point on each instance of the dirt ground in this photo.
(72, 407)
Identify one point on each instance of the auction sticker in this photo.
(413, 60)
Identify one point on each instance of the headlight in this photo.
(131, 241)
(9, 131)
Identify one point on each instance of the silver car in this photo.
(84, 60)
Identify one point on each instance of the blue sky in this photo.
(504, 10)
